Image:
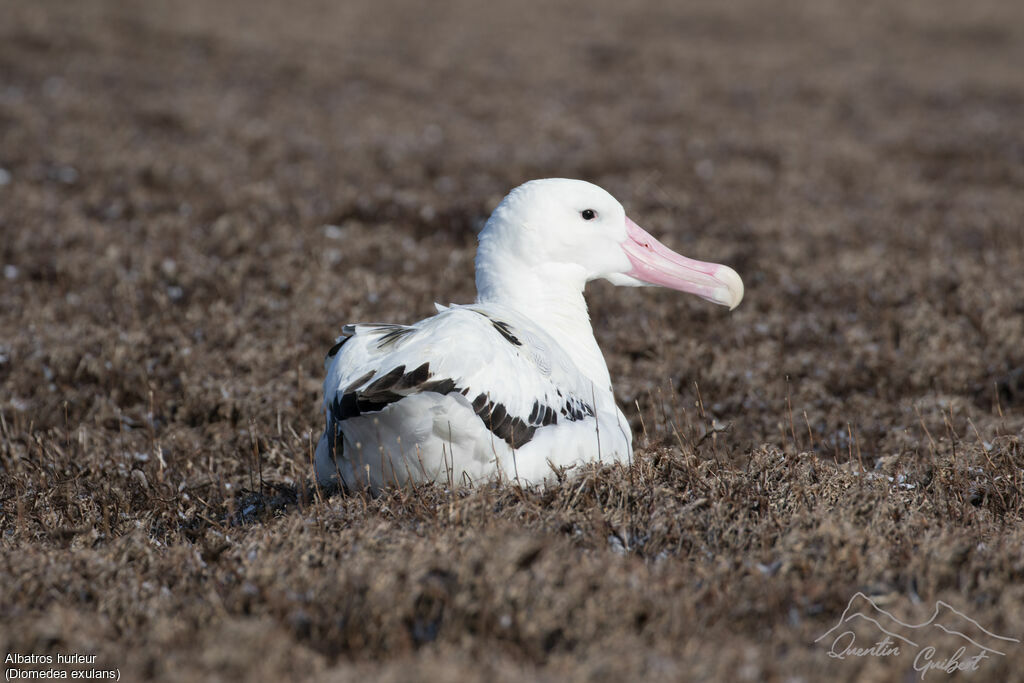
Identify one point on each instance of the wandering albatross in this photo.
(513, 385)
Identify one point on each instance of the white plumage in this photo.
(512, 385)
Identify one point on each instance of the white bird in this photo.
(513, 385)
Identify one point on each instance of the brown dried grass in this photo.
(855, 425)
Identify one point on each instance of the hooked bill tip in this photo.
(731, 292)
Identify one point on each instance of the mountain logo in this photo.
(948, 641)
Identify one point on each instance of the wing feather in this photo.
(475, 353)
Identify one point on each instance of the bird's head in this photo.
(575, 229)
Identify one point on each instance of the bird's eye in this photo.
(588, 214)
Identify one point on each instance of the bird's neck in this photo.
(552, 297)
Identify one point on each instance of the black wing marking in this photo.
(337, 347)
(514, 431)
(389, 336)
(517, 432)
(576, 409)
(396, 384)
(503, 328)
(506, 331)
(394, 335)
